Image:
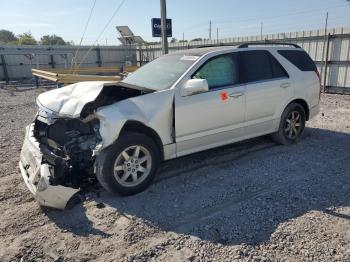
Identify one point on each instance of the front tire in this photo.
(292, 125)
(128, 167)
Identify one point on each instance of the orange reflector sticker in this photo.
(223, 96)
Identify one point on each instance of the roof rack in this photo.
(246, 45)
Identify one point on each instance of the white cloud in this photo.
(64, 13)
(29, 25)
(13, 15)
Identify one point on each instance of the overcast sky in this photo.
(67, 18)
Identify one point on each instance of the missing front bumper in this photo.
(37, 175)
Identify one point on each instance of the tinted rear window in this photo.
(255, 66)
(300, 59)
(260, 65)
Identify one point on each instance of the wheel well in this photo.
(304, 105)
(138, 127)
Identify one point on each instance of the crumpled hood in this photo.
(69, 101)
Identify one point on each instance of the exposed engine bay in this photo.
(67, 144)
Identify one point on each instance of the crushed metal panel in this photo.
(52, 196)
(37, 176)
(70, 100)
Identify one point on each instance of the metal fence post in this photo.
(98, 54)
(326, 62)
(37, 83)
(140, 56)
(52, 61)
(4, 67)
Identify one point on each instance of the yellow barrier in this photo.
(64, 76)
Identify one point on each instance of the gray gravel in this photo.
(252, 201)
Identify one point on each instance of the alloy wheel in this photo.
(132, 166)
(293, 125)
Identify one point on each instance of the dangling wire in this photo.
(101, 33)
(83, 35)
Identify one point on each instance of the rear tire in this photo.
(292, 125)
(128, 167)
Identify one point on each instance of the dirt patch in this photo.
(249, 201)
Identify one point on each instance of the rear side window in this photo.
(260, 65)
(277, 69)
(299, 58)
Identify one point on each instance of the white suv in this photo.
(177, 105)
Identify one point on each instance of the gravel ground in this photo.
(252, 201)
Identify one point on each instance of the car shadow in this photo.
(74, 220)
(237, 194)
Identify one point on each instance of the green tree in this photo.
(26, 39)
(173, 40)
(52, 40)
(196, 39)
(7, 36)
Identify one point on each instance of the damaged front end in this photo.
(58, 152)
(57, 158)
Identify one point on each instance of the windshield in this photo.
(161, 73)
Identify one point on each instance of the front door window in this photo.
(221, 71)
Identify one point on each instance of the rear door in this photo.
(267, 88)
(214, 118)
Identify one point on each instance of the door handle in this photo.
(236, 95)
(285, 85)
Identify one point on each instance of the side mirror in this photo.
(195, 86)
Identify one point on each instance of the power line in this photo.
(103, 30)
(111, 19)
(87, 22)
(84, 32)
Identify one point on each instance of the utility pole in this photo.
(163, 26)
(210, 30)
(323, 67)
(183, 38)
(217, 34)
(261, 30)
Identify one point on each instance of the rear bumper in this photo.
(36, 175)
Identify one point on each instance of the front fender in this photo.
(154, 110)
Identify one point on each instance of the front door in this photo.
(214, 118)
